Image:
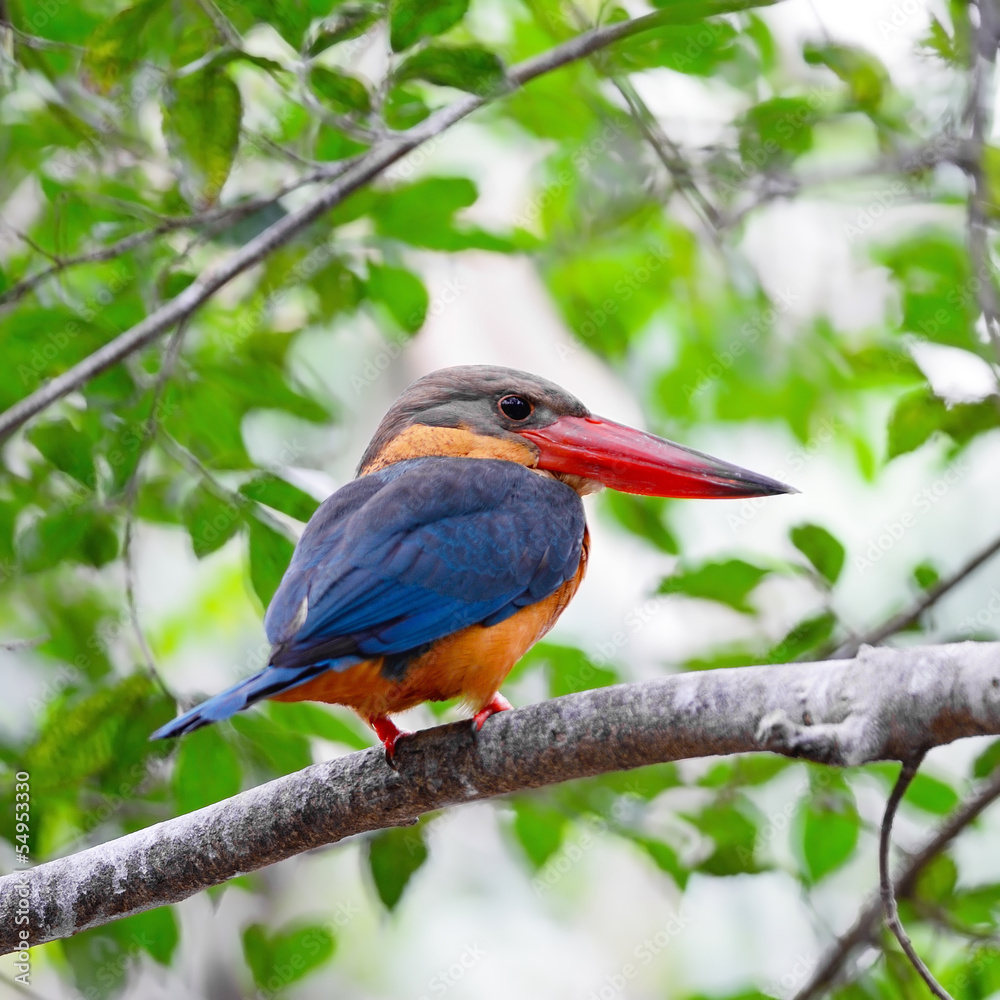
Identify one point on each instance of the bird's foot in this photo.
(389, 733)
(498, 703)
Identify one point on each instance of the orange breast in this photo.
(470, 664)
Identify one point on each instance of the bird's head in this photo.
(483, 411)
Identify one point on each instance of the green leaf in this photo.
(470, 68)
(920, 414)
(421, 214)
(411, 20)
(155, 930)
(569, 669)
(207, 770)
(332, 144)
(931, 794)
(821, 548)
(268, 489)
(344, 93)
(807, 634)
(925, 575)
(67, 449)
(393, 858)
(72, 533)
(728, 582)
(402, 292)
(735, 837)
(988, 761)
(315, 720)
(210, 520)
(828, 834)
(931, 267)
(113, 48)
(665, 858)
(539, 827)
(938, 880)
(644, 516)
(349, 20)
(864, 74)
(404, 108)
(778, 130)
(274, 747)
(201, 123)
(105, 733)
(289, 17)
(700, 49)
(270, 554)
(277, 960)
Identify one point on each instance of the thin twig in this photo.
(865, 926)
(886, 893)
(982, 53)
(222, 24)
(229, 214)
(169, 363)
(13, 645)
(670, 155)
(912, 614)
(196, 467)
(367, 167)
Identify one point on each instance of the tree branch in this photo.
(911, 615)
(886, 704)
(866, 925)
(367, 167)
(887, 895)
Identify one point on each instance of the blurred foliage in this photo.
(136, 140)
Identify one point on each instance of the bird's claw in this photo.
(498, 703)
(389, 733)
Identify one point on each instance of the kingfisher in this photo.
(455, 549)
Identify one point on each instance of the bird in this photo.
(454, 550)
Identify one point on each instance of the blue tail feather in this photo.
(267, 682)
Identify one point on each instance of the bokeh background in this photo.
(749, 232)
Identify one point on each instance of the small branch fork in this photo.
(887, 895)
(361, 171)
(911, 615)
(880, 706)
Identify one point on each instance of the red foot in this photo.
(388, 732)
(498, 703)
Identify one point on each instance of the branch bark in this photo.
(886, 704)
(366, 169)
(865, 927)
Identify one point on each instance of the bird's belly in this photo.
(470, 664)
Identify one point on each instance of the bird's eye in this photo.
(515, 407)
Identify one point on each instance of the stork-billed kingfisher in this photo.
(456, 548)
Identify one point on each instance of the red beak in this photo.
(635, 462)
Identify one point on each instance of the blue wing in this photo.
(404, 556)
